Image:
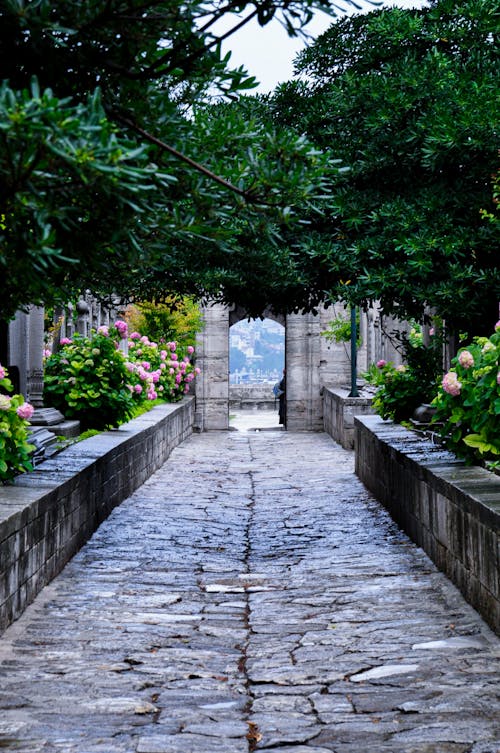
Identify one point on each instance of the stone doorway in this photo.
(304, 361)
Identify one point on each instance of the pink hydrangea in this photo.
(152, 395)
(172, 346)
(450, 384)
(46, 354)
(138, 388)
(466, 359)
(174, 356)
(103, 330)
(130, 366)
(146, 365)
(178, 379)
(156, 376)
(145, 340)
(497, 326)
(163, 366)
(65, 341)
(197, 370)
(135, 336)
(163, 355)
(381, 364)
(432, 331)
(25, 411)
(498, 378)
(122, 328)
(186, 389)
(171, 371)
(190, 349)
(3, 373)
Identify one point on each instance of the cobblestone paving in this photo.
(250, 596)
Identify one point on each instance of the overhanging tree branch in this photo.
(182, 157)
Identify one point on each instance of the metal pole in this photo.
(354, 353)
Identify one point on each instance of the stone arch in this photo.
(311, 362)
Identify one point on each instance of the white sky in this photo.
(268, 53)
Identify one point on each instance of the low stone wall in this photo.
(252, 397)
(450, 510)
(48, 514)
(338, 413)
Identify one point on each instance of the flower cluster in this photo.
(92, 380)
(159, 370)
(466, 359)
(450, 384)
(468, 403)
(15, 413)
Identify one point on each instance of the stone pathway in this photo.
(250, 596)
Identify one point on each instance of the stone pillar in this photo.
(35, 356)
(212, 357)
(26, 353)
(83, 318)
(18, 349)
(302, 358)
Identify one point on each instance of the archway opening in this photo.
(256, 364)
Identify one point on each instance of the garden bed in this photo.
(48, 514)
(449, 509)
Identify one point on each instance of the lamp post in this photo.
(354, 354)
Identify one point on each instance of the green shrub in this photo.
(401, 389)
(468, 401)
(88, 380)
(15, 449)
(91, 380)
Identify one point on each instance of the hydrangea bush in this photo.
(402, 389)
(160, 370)
(93, 380)
(87, 380)
(15, 450)
(468, 402)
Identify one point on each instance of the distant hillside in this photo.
(256, 351)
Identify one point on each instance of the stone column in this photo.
(303, 400)
(18, 349)
(35, 356)
(212, 357)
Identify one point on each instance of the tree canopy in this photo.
(117, 173)
(409, 100)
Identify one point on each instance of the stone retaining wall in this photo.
(338, 413)
(48, 514)
(450, 510)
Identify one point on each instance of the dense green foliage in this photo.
(91, 379)
(87, 380)
(408, 99)
(402, 389)
(116, 172)
(468, 402)
(15, 449)
(178, 319)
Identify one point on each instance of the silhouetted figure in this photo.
(282, 399)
